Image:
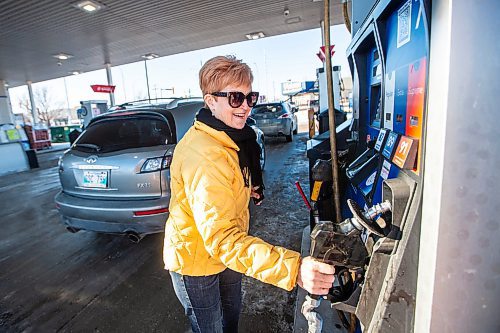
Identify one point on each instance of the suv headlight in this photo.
(156, 164)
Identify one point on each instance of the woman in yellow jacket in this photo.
(214, 172)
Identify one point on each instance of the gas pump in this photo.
(87, 111)
(90, 109)
(376, 245)
(322, 114)
(318, 147)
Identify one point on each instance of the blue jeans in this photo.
(212, 303)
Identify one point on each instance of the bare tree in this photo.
(46, 106)
(25, 106)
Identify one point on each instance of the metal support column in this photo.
(34, 111)
(5, 110)
(110, 82)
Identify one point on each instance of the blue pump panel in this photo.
(405, 44)
(388, 171)
(405, 38)
(396, 60)
(400, 97)
(373, 117)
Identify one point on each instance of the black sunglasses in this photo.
(236, 98)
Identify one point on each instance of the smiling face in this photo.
(232, 117)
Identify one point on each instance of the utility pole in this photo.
(147, 78)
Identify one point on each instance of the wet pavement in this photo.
(52, 280)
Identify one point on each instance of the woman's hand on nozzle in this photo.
(315, 276)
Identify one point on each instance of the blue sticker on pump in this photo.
(380, 139)
(367, 184)
(390, 144)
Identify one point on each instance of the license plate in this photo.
(96, 179)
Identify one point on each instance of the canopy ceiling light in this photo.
(255, 35)
(292, 20)
(149, 56)
(75, 72)
(62, 56)
(89, 6)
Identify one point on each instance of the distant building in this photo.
(301, 93)
(346, 94)
(65, 116)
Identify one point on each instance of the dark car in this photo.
(115, 178)
(276, 119)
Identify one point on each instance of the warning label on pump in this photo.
(386, 168)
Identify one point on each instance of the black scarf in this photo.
(249, 153)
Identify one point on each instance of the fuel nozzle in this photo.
(341, 244)
(366, 219)
(321, 172)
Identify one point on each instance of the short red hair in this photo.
(222, 71)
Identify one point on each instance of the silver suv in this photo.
(276, 119)
(115, 178)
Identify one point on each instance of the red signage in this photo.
(321, 53)
(102, 88)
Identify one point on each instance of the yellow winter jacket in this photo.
(207, 229)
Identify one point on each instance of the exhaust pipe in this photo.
(72, 229)
(134, 236)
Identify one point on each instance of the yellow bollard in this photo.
(312, 125)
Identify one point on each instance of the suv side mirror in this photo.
(295, 109)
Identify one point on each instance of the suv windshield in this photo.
(119, 133)
(268, 108)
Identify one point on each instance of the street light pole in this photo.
(147, 78)
(67, 100)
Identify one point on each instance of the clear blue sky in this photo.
(273, 60)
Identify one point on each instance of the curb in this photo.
(55, 147)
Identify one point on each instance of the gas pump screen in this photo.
(392, 140)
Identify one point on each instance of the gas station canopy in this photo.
(36, 36)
